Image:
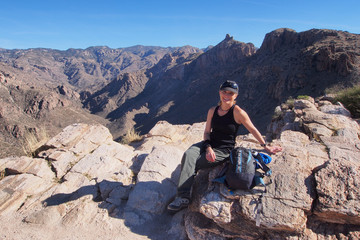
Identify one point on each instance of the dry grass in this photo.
(34, 140)
(290, 102)
(2, 174)
(131, 136)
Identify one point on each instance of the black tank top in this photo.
(223, 130)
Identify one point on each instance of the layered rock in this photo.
(82, 178)
(83, 184)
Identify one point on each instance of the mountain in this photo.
(287, 64)
(85, 69)
(139, 86)
(40, 88)
(30, 114)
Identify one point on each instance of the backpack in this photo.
(241, 170)
(241, 173)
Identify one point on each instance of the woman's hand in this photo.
(273, 149)
(210, 154)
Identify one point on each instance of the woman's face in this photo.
(227, 97)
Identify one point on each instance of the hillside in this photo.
(85, 69)
(40, 88)
(30, 114)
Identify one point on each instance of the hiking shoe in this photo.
(178, 204)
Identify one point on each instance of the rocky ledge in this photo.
(82, 184)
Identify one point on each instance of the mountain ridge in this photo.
(288, 64)
(137, 87)
(31, 80)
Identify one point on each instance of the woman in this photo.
(221, 128)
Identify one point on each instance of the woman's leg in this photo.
(193, 160)
(203, 163)
(188, 166)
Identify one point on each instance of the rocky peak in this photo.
(283, 38)
(278, 39)
(247, 49)
(83, 184)
(228, 37)
(227, 54)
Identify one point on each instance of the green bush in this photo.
(304, 97)
(350, 98)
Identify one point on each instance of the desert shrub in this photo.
(334, 89)
(33, 140)
(290, 102)
(304, 97)
(131, 136)
(2, 174)
(350, 98)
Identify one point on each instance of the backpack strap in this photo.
(258, 211)
(259, 205)
(258, 180)
(262, 164)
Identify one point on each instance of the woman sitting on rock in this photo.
(221, 129)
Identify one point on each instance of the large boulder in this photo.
(83, 179)
(314, 183)
(155, 185)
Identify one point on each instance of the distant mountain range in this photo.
(138, 86)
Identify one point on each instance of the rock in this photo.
(335, 109)
(62, 161)
(15, 190)
(86, 137)
(304, 185)
(182, 135)
(278, 38)
(48, 216)
(18, 165)
(66, 151)
(102, 186)
(338, 192)
(177, 229)
(216, 207)
(155, 185)
(105, 164)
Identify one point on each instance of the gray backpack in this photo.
(241, 169)
(241, 173)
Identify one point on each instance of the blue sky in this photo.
(199, 23)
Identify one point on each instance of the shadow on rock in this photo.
(142, 206)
